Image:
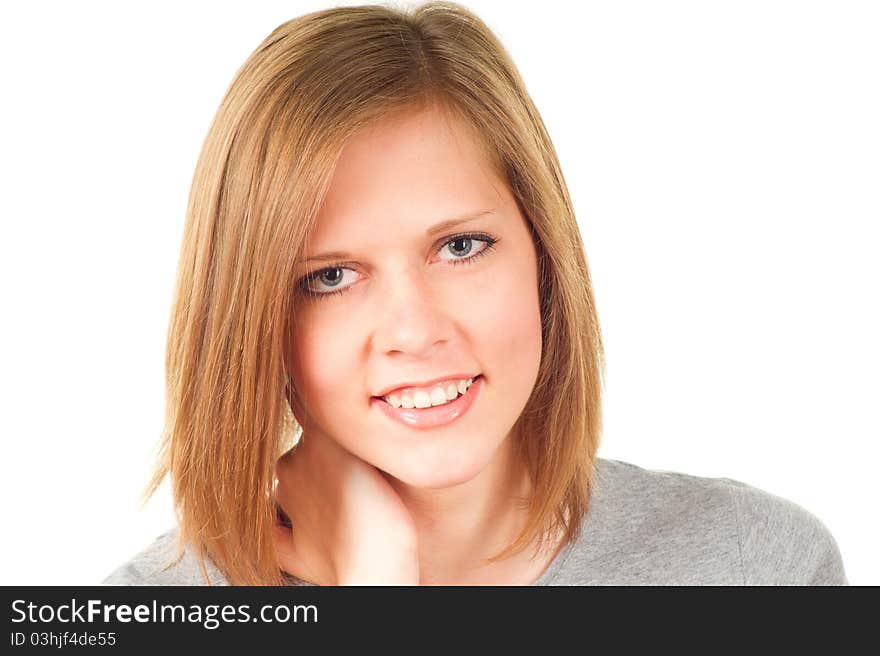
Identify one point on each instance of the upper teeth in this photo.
(424, 397)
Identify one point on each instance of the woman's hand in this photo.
(349, 526)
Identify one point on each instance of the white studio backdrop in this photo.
(722, 158)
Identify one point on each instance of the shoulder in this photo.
(783, 543)
(671, 527)
(163, 562)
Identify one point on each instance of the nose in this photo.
(411, 316)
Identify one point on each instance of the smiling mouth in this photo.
(431, 416)
(428, 397)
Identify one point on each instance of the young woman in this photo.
(381, 255)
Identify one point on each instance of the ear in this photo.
(296, 406)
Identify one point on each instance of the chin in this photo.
(438, 473)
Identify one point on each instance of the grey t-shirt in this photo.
(643, 527)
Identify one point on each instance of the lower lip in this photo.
(438, 415)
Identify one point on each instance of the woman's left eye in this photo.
(461, 247)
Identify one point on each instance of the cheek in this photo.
(506, 314)
(323, 359)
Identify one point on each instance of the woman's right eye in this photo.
(332, 280)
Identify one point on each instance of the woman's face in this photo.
(405, 302)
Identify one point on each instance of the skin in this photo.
(374, 500)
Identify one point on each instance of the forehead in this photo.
(406, 172)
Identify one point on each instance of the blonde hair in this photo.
(260, 179)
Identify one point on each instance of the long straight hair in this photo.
(262, 174)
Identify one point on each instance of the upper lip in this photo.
(387, 390)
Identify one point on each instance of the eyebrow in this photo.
(430, 232)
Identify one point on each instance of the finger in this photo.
(287, 558)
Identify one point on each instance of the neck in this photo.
(461, 526)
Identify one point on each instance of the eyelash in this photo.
(476, 236)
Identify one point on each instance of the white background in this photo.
(723, 158)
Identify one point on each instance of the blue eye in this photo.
(460, 246)
(333, 280)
